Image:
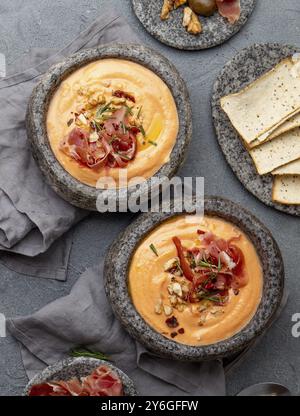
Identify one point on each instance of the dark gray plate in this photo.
(216, 29)
(78, 367)
(244, 68)
(62, 182)
(116, 274)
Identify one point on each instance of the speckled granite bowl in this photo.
(216, 29)
(116, 274)
(249, 64)
(62, 182)
(78, 367)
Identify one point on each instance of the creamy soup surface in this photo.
(153, 101)
(203, 322)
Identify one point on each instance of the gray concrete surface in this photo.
(52, 23)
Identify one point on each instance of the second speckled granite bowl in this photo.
(116, 278)
(248, 65)
(62, 182)
(75, 368)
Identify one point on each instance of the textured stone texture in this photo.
(27, 24)
(244, 68)
(116, 279)
(62, 182)
(216, 29)
(76, 368)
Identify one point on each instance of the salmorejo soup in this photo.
(109, 115)
(196, 280)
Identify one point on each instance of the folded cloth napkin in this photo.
(85, 318)
(32, 216)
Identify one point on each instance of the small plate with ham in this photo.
(81, 377)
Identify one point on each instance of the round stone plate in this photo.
(216, 29)
(62, 182)
(75, 368)
(117, 265)
(244, 68)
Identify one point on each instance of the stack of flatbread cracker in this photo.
(266, 114)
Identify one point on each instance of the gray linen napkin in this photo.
(85, 318)
(32, 216)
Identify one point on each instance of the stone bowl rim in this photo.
(69, 188)
(164, 347)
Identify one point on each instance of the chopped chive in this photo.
(205, 264)
(106, 117)
(128, 110)
(142, 130)
(103, 109)
(151, 142)
(219, 264)
(212, 299)
(139, 112)
(123, 156)
(153, 248)
(124, 128)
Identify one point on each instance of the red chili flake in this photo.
(181, 331)
(200, 232)
(123, 94)
(172, 322)
(174, 334)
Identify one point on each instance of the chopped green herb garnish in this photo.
(102, 110)
(124, 128)
(153, 248)
(151, 142)
(142, 130)
(96, 125)
(219, 264)
(123, 156)
(216, 300)
(128, 110)
(82, 352)
(139, 112)
(203, 263)
(105, 118)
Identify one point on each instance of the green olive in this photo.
(203, 7)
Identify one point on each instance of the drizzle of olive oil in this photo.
(153, 132)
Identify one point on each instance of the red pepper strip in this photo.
(123, 94)
(187, 271)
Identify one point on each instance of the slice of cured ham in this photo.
(114, 146)
(102, 382)
(230, 9)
